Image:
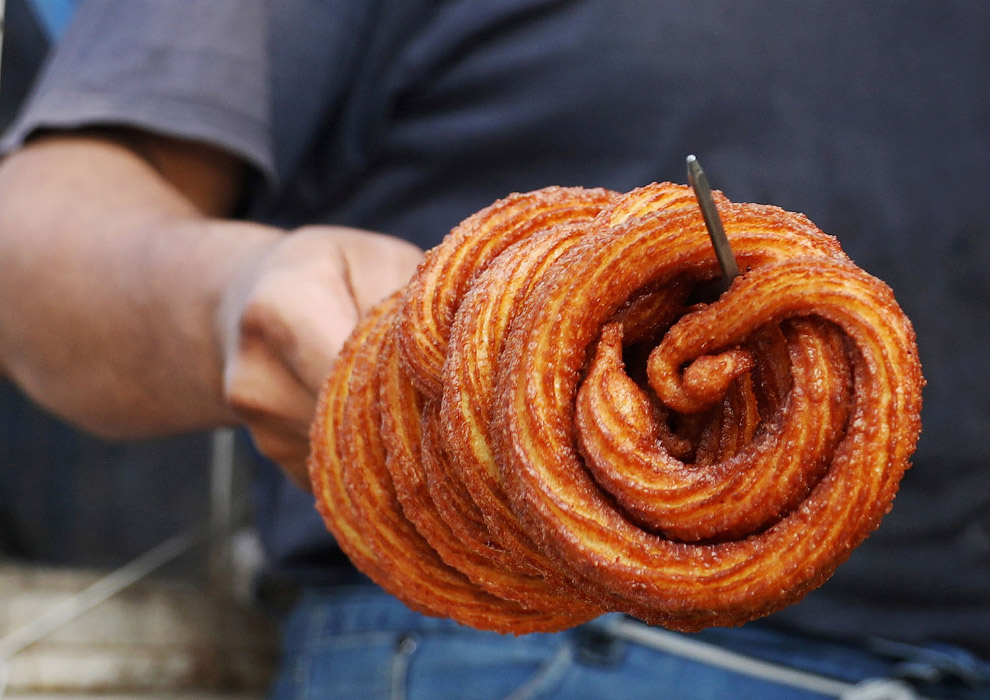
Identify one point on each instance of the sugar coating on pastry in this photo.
(554, 419)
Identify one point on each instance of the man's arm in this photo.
(110, 275)
(130, 308)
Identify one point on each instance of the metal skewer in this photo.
(726, 260)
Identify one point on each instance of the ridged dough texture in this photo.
(558, 417)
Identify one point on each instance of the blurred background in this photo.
(114, 503)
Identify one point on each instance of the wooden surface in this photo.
(156, 639)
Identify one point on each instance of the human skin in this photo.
(133, 306)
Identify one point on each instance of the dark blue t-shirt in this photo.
(404, 117)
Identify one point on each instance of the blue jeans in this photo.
(361, 643)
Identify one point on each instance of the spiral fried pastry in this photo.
(550, 422)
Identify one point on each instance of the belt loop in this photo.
(405, 647)
(597, 644)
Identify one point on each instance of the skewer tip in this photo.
(703, 193)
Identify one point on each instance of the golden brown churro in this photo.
(547, 423)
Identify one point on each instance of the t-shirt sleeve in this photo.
(194, 69)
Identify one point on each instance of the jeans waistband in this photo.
(877, 671)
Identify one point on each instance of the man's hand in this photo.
(285, 317)
(133, 307)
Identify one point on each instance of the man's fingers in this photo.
(289, 453)
(277, 410)
(376, 265)
(302, 316)
(288, 318)
(257, 383)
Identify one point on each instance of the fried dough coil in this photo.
(357, 498)
(552, 421)
(448, 270)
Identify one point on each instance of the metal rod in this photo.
(723, 251)
(222, 516)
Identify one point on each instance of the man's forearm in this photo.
(109, 282)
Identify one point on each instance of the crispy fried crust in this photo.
(545, 424)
